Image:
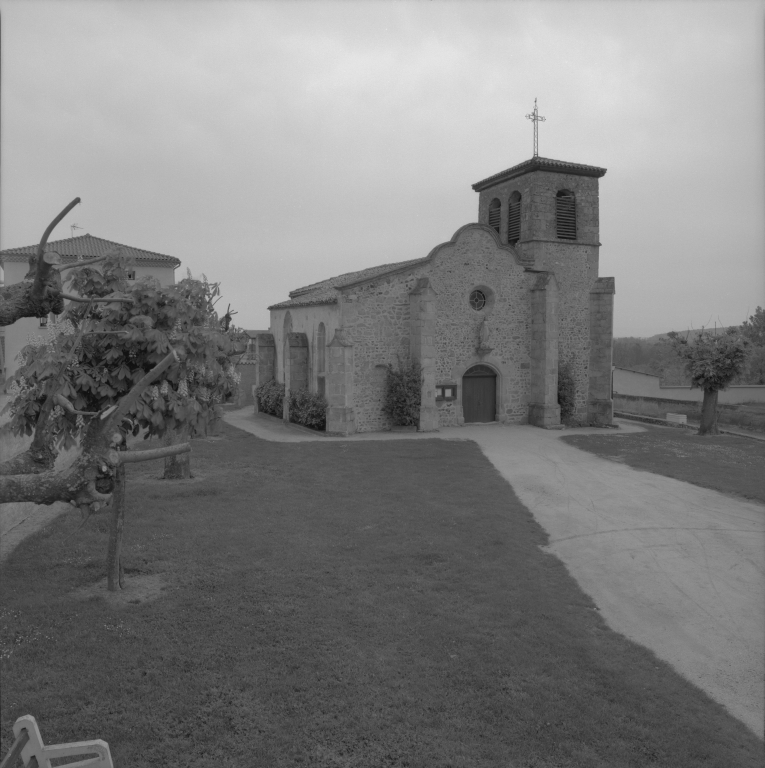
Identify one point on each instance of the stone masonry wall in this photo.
(376, 320)
(538, 190)
(248, 370)
(476, 261)
(304, 320)
(574, 262)
(569, 263)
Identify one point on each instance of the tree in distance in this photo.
(713, 361)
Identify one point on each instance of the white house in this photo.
(15, 265)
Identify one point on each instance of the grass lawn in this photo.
(722, 462)
(338, 604)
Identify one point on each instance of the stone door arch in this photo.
(479, 394)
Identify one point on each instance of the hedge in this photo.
(306, 408)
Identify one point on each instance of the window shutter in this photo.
(494, 214)
(514, 219)
(565, 210)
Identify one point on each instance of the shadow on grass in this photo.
(339, 604)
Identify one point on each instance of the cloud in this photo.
(271, 144)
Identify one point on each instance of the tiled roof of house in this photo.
(325, 292)
(88, 247)
(540, 164)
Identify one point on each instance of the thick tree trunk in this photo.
(75, 483)
(114, 575)
(708, 424)
(177, 467)
(20, 300)
(215, 425)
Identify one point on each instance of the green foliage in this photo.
(403, 391)
(121, 343)
(309, 409)
(712, 360)
(566, 391)
(656, 355)
(270, 396)
(755, 366)
(753, 330)
(306, 408)
(649, 356)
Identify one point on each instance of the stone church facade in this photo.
(490, 315)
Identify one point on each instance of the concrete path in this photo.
(674, 567)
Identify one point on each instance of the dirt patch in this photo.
(137, 590)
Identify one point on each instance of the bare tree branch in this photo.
(131, 457)
(67, 406)
(113, 422)
(88, 262)
(101, 300)
(36, 263)
(40, 291)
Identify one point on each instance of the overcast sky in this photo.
(274, 144)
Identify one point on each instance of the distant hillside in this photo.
(649, 355)
(692, 334)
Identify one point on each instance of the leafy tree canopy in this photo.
(116, 345)
(712, 360)
(753, 329)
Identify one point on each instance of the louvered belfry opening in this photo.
(565, 211)
(514, 219)
(494, 214)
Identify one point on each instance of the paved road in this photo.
(677, 568)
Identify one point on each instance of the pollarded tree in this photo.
(713, 361)
(120, 360)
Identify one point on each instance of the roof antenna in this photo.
(72, 227)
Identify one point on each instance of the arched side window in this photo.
(494, 214)
(514, 219)
(321, 357)
(565, 215)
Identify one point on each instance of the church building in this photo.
(491, 315)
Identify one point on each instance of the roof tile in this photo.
(85, 246)
(325, 292)
(540, 164)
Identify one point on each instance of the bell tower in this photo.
(547, 210)
(542, 208)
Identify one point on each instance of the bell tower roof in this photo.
(539, 164)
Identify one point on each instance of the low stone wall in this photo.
(637, 384)
(247, 369)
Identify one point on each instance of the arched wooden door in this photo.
(479, 394)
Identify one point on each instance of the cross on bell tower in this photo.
(535, 118)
